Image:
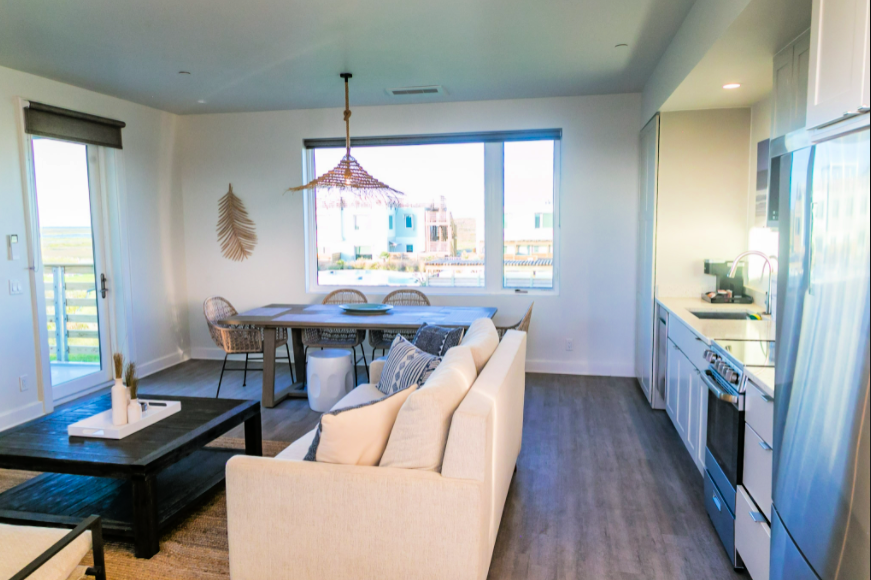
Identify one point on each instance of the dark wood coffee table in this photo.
(138, 485)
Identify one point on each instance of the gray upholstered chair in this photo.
(382, 339)
(239, 339)
(339, 337)
(522, 326)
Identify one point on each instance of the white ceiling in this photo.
(255, 55)
(745, 55)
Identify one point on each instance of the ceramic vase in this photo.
(119, 403)
(134, 411)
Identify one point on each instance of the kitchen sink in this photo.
(730, 315)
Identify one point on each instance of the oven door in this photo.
(725, 435)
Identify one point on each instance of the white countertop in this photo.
(714, 330)
(683, 308)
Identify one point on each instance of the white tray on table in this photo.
(100, 425)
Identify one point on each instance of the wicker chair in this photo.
(382, 339)
(239, 339)
(339, 337)
(522, 326)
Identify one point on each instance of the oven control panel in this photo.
(723, 367)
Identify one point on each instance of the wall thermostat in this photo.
(13, 247)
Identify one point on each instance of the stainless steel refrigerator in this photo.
(820, 521)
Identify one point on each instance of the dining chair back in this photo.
(382, 339)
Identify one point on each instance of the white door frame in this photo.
(103, 188)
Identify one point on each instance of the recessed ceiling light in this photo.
(202, 101)
(184, 72)
(732, 86)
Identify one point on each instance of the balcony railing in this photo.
(71, 312)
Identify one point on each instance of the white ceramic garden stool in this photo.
(330, 376)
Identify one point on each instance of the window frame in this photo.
(494, 175)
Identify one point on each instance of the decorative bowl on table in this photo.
(366, 308)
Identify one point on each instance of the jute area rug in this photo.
(196, 549)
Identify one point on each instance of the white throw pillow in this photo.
(483, 338)
(421, 430)
(357, 435)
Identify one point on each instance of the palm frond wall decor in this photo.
(236, 232)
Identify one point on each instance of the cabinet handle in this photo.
(717, 503)
(762, 393)
(765, 446)
(758, 517)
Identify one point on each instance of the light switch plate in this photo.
(15, 287)
(23, 383)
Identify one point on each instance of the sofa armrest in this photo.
(308, 521)
(375, 370)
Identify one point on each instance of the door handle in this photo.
(104, 289)
(720, 393)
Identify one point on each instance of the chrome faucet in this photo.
(767, 259)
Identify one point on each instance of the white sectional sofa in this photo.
(290, 519)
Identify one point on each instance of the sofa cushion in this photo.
(483, 338)
(437, 340)
(357, 435)
(21, 545)
(406, 365)
(359, 396)
(421, 430)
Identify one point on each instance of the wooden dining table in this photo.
(297, 317)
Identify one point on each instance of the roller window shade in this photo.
(442, 139)
(57, 123)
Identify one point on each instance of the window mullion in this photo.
(494, 178)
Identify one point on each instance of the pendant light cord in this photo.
(347, 76)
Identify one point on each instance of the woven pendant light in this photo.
(348, 183)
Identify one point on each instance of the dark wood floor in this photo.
(604, 490)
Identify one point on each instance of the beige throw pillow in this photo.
(357, 435)
(483, 338)
(421, 430)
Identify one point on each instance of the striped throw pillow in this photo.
(406, 366)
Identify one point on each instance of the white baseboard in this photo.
(581, 368)
(21, 415)
(159, 364)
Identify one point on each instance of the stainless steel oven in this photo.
(725, 443)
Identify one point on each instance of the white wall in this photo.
(702, 205)
(703, 26)
(261, 154)
(152, 220)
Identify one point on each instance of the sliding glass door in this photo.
(70, 281)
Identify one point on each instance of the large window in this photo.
(445, 233)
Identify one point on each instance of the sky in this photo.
(62, 193)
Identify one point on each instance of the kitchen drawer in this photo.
(752, 537)
(758, 466)
(759, 412)
(688, 342)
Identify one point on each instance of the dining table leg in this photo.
(273, 395)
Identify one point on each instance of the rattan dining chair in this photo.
(522, 326)
(383, 339)
(339, 337)
(245, 340)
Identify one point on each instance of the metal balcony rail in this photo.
(71, 311)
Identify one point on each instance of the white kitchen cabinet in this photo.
(752, 536)
(673, 380)
(839, 61)
(758, 469)
(789, 101)
(645, 309)
(687, 403)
